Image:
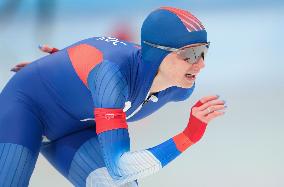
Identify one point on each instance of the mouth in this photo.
(190, 77)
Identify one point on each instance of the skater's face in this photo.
(178, 72)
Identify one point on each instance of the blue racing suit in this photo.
(48, 107)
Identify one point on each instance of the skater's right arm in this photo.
(110, 92)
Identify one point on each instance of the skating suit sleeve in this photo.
(110, 91)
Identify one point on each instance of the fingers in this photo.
(214, 114)
(205, 99)
(19, 66)
(210, 107)
(45, 48)
(211, 103)
(209, 98)
(15, 69)
(22, 64)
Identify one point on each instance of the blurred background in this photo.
(244, 65)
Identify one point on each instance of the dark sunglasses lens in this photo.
(192, 54)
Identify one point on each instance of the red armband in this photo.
(182, 142)
(109, 119)
(192, 133)
(198, 104)
(195, 129)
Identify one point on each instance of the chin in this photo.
(186, 85)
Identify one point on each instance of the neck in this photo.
(159, 84)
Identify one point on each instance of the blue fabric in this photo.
(20, 130)
(17, 164)
(19, 114)
(48, 98)
(114, 143)
(108, 86)
(163, 27)
(63, 98)
(165, 152)
(109, 90)
(61, 152)
(130, 72)
(87, 159)
(172, 94)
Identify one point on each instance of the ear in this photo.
(169, 59)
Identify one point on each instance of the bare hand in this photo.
(201, 114)
(47, 49)
(208, 108)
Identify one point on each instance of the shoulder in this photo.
(108, 85)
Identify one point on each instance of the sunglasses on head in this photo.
(190, 53)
